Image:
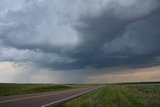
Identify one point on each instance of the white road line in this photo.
(68, 98)
(35, 96)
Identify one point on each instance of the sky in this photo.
(79, 41)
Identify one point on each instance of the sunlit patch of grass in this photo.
(129, 95)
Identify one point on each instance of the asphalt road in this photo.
(45, 99)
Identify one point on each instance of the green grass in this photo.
(120, 95)
(15, 89)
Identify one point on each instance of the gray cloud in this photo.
(64, 36)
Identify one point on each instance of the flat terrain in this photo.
(15, 89)
(43, 99)
(109, 95)
(120, 95)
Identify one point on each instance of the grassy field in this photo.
(14, 89)
(120, 95)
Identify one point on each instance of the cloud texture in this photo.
(80, 34)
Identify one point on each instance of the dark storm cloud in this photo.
(117, 34)
(141, 35)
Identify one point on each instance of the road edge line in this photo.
(68, 98)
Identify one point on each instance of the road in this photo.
(45, 99)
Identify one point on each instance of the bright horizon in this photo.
(79, 41)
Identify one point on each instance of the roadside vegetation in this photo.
(120, 95)
(14, 89)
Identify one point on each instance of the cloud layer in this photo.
(80, 34)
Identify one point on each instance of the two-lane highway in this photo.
(45, 99)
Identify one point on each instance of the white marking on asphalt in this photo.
(68, 98)
(5, 101)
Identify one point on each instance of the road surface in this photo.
(45, 99)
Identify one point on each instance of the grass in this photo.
(120, 95)
(15, 89)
